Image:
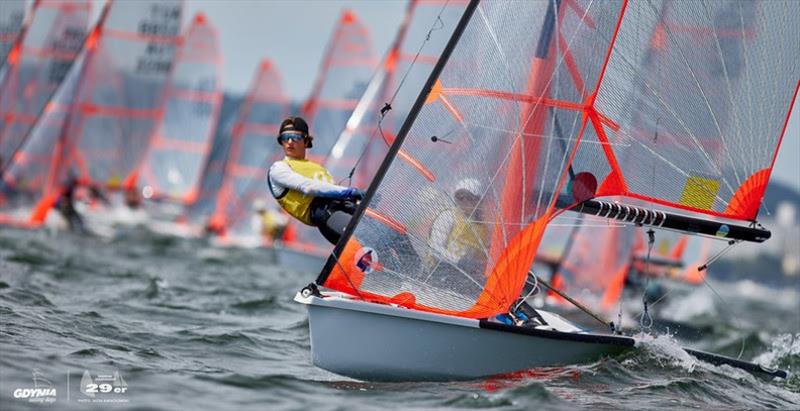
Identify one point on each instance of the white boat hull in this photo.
(377, 342)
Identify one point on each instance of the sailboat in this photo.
(361, 145)
(96, 126)
(37, 64)
(39, 59)
(242, 173)
(525, 91)
(169, 177)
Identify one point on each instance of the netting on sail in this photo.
(361, 146)
(252, 149)
(456, 229)
(37, 65)
(12, 16)
(182, 140)
(347, 65)
(699, 93)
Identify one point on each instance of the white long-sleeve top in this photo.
(281, 177)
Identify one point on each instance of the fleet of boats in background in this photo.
(126, 124)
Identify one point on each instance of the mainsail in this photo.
(98, 123)
(180, 145)
(38, 62)
(525, 88)
(252, 149)
(343, 75)
(362, 145)
(12, 15)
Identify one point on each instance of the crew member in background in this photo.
(271, 223)
(305, 189)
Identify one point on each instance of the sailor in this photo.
(66, 206)
(457, 233)
(271, 223)
(305, 189)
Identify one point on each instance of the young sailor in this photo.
(458, 234)
(305, 189)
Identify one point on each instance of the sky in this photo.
(294, 33)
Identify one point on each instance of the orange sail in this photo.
(346, 67)
(40, 59)
(180, 145)
(97, 124)
(551, 104)
(252, 149)
(501, 146)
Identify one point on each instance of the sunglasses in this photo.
(291, 136)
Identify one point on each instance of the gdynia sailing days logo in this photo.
(42, 391)
(103, 387)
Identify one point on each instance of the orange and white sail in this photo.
(346, 67)
(252, 150)
(180, 145)
(38, 62)
(97, 125)
(540, 102)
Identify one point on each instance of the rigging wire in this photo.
(438, 24)
(646, 320)
(534, 290)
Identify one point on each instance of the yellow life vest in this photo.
(297, 204)
(463, 240)
(465, 237)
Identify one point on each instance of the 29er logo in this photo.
(102, 384)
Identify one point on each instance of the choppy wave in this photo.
(190, 326)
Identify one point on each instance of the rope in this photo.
(533, 291)
(646, 320)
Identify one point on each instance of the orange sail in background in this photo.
(39, 61)
(348, 62)
(179, 148)
(97, 125)
(252, 149)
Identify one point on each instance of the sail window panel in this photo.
(696, 75)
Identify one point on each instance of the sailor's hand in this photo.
(354, 194)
